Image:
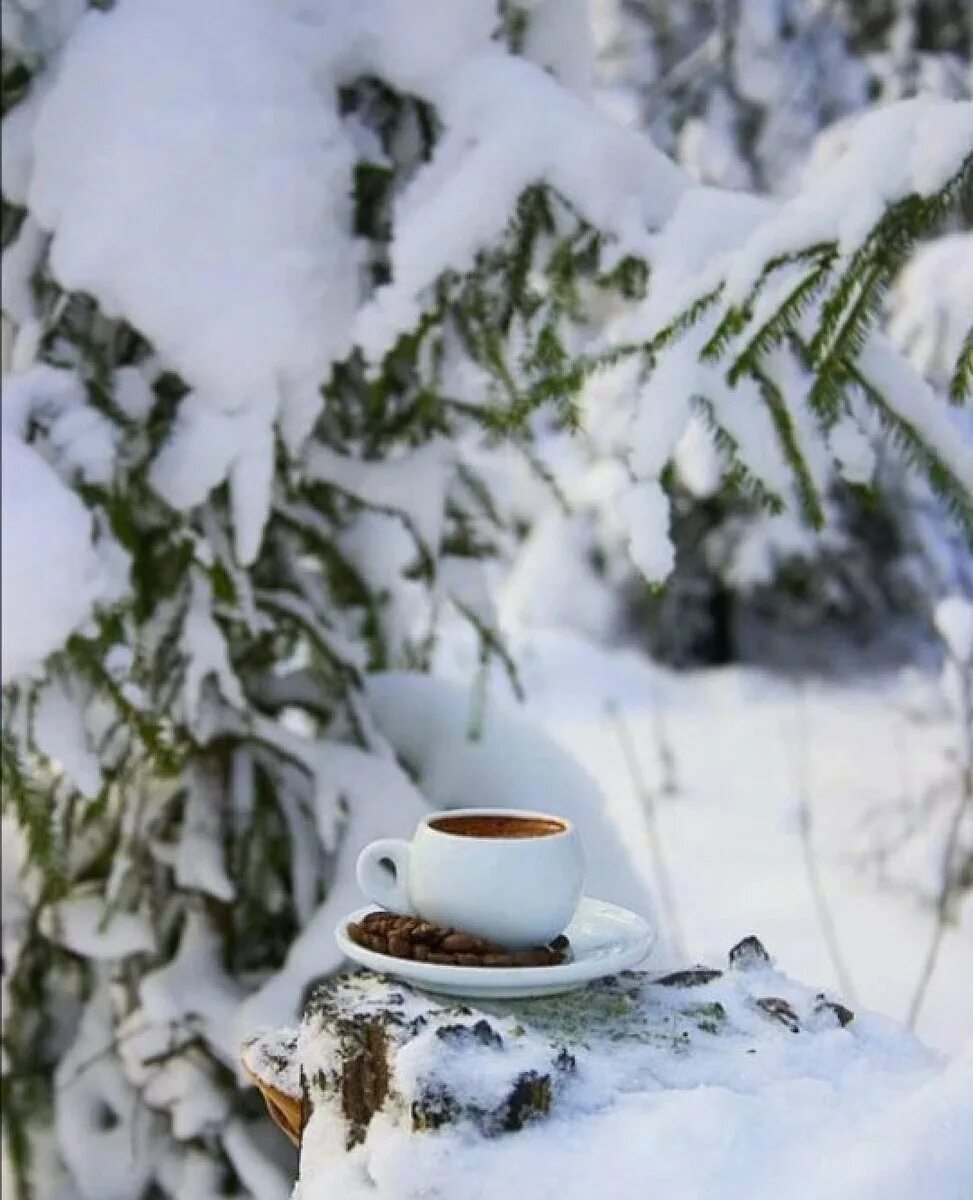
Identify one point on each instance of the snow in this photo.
(645, 511)
(206, 652)
(247, 1147)
(920, 1149)
(412, 485)
(913, 400)
(237, 295)
(250, 300)
(888, 153)
(697, 460)
(60, 734)
(198, 454)
(194, 985)
(55, 573)
(954, 621)
(380, 801)
(465, 582)
(414, 55)
(482, 1074)
(702, 1143)
(743, 747)
(551, 581)
(188, 1090)
(932, 305)
(270, 1055)
(83, 443)
(52, 575)
(462, 199)
(559, 38)
(190, 1174)
(200, 858)
(107, 1140)
(83, 925)
(852, 451)
(658, 1100)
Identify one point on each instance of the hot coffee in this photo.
(497, 826)
(510, 876)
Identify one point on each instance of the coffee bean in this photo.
(498, 960)
(413, 938)
(461, 943)
(532, 958)
(378, 922)
(399, 946)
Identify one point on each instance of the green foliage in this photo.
(914, 448)
(33, 807)
(961, 385)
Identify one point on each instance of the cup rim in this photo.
(528, 813)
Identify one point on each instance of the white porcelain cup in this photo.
(517, 881)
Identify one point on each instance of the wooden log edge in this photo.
(289, 1113)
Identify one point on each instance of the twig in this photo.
(965, 672)
(706, 55)
(645, 794)
(805, 819)
(669, 785)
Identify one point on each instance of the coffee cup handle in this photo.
(383, 874)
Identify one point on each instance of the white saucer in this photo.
(605, 939)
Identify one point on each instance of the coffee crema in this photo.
(498, 826)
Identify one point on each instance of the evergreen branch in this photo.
(480, 491)
(776, 328)
(920, 455)
(300, 612)
(681, 323)
(961, 384)
(546, 476)
(584, 366)
(33, 808)
(493, 643)
(159, 736)
(846, 344)
(731, 324)
(811, 505)
(739, 476)
(736, 317)
(856, 302)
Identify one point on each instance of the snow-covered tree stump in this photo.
(381, 1078)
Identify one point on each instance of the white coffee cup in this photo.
(517, 881)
